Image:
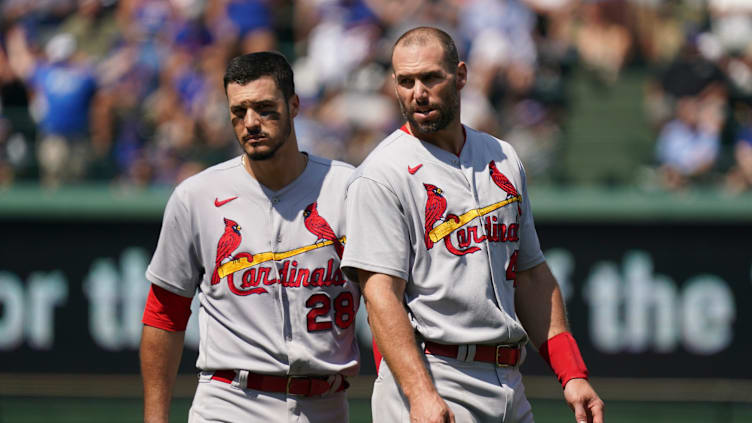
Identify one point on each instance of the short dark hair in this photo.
(250, 67)
(423, 34)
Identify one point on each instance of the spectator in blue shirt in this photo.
(63, 88)
(688, 145)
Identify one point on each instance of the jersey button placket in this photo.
(477, 199)
(281, 293)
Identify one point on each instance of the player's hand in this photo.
(581, 397)
(430, 408)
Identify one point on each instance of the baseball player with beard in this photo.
(441, 236)
(259, 238)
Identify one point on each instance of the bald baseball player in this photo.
(441, 235)
(259, 239)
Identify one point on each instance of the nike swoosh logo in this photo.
(412, 170)
(218, 203)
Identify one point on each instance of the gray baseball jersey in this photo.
(455, 228)
(266, 267)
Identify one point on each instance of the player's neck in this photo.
(280, 170)
(451, 138)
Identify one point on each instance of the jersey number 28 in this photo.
(321, 305)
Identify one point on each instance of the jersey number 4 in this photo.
(512, 268)
(321, 306)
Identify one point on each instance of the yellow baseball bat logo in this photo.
(243, 263)
(438, 233)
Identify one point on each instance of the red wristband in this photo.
(563, 355)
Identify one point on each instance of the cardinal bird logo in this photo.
(435, 207)
(228, 242)
(502, 182)
(318, 226)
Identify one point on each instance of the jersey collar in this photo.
(406, 129)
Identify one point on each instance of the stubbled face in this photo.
(428, 93)
(261, 117)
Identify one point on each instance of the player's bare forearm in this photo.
(539, 304)
(389, 321)
(396, 341)
(160, 357)
(541, 311)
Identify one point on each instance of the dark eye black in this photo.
(405, 82)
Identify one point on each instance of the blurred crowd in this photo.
(130, 92)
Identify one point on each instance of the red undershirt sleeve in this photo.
(166, 310)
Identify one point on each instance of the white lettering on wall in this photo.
(117, 295)
(602, 292)
(116, 299)
(631, 308)
(30, 313)
(636, 310)
(12, 318)
(708, 310)
(101, 288)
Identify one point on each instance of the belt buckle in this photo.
(287, 386)
(289, 381)
(498, 351)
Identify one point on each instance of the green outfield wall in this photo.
(657, 285)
